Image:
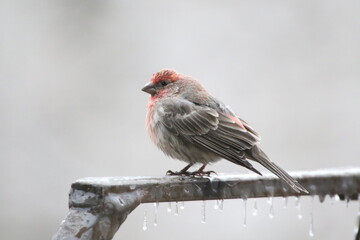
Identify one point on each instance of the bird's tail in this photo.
(255, 153)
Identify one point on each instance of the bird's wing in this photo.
(217, 131)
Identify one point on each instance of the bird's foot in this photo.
(180, 173)
(186, 173)
(202, 173)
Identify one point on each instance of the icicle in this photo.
(182, 205)
(217, 203)
(322, 198)
(359, 205)
(245, 212)
(347, 201)
(311, 229)
(255, 209)
(334, 198)
(156, 205)
(271, 210)
(285, 202)
(298, 207)
(176, 209)
(145, 222)
(356, 228)
(203, 212)
(221, 205)
(169, 207)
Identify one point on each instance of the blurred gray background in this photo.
(71, 105)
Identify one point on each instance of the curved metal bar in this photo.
(98, 206)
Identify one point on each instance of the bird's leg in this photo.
(184, 170)
(201, 169)
(181, 172)
(201, 172)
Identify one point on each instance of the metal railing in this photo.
(98, 206)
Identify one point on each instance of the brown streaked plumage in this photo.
(189, 124)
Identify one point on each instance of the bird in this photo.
(187, 123)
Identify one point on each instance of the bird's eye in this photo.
(164, 83)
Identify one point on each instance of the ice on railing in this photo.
(359, 204)
(286, 200)
(271, 209)
(203, 212)
(255, 209)
(78, 223)
(145, 221)
(176, 209)
(298, 207)
(306, 214)
(311, 229)
(156, 214)
(226, 186)
(98, 206)
(95, 216)
(245, 212)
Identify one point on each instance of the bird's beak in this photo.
(149, 88)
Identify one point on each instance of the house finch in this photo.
(189, 124)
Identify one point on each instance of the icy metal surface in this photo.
(98, 206)
(96, 215)
(344, 182)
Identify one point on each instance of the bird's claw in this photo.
(203, 173)
(196, 173)
(171, 173)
